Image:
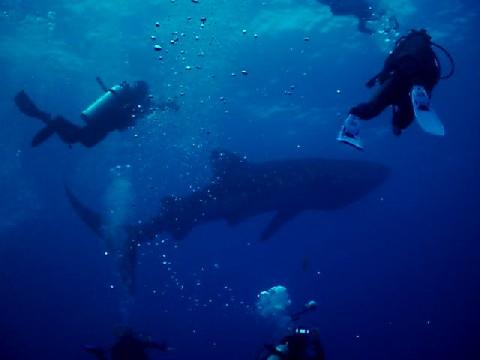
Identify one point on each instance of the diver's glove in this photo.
(349, 133)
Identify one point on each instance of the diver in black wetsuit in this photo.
(302, 344)
(117, 109)
(411, 64)
(127, 347)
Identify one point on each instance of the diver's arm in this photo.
(308, 307)
(382, 76)
(296, 316)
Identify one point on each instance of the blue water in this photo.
(396, 275)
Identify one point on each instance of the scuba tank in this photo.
(111, 100)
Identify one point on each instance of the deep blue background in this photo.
(396, 275)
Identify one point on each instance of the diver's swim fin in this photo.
(426, 117)
(349, 132)
(28, 107)
(43, 135)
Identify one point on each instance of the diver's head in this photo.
(137, 92)
(140, 89)
(302, 330)
(421, 33)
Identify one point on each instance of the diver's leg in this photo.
(350, 130)
(382, 99)
(90, 136)
(68, 132)
(403, 115)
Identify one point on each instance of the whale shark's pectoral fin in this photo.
(280, 219)
(91, 218)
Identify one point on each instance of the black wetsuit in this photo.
(412, 62)
(129, 105)
(92, 133)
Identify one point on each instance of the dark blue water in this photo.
(396, 275)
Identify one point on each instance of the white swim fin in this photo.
(426, 117)
(349, 132)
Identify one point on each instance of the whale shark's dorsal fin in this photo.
(280, 219)
(223, 162)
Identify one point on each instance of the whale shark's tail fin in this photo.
(125, 237)
(91, 218)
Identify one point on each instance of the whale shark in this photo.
(240, 189)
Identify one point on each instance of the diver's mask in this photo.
(302, 331)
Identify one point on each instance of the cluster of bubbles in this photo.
(194, 38)
(272, 304)
(199, 289)
(119, 196)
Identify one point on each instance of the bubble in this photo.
(273, 304)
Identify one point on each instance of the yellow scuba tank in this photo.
(105, 104)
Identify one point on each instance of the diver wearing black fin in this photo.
(412, 69)
(117, 109)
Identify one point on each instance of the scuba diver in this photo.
(361, 9)
(301, 344)
(127, 347)
(407, 80)
(117, 109)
